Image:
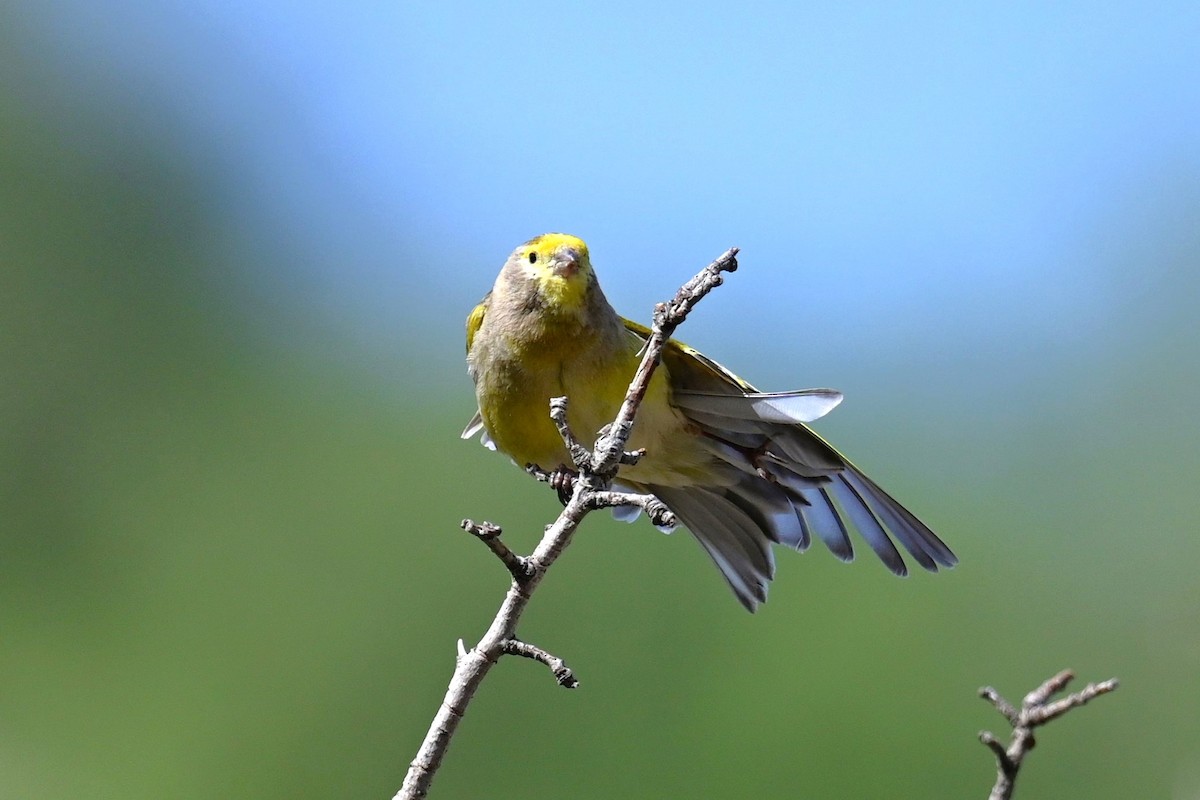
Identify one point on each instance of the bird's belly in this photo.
(515, 405)
(516, 410)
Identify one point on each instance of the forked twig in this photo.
(1036, 710)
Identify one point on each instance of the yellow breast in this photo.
(514, 399)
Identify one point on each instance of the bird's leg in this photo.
(562, 479)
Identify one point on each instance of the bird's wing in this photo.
(730, 533)
(804, 405)
(762, 436)
(475, 319)
(692, 369)
(700, 384)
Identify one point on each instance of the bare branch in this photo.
(580, 457)
(1050, 687)
(1002, 759)
(655, 509)
(1003, 706)
(562, 673)
(580, 495)
(1058, 708)
(669, 316)
(631, 457)
(610, 448)
(1036, 710)
(489, 534)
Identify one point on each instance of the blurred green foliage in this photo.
(231, 568)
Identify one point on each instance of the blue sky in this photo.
(893, 173)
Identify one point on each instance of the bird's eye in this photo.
(532, 257)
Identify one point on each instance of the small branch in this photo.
(562, 673)
(632, 457)
(1002, 760)
(1003, 706)
(579, 495)
(610, 447)
(580, 457)
(1048, 711)
(489, 534)
(655, 509)
(670, 316)
(1036, 710)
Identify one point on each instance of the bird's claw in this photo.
(562, 480)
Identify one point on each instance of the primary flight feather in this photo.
(738, 467)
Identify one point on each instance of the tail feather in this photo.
(851, 497)
(868, 524)
(833, 530)
(816, 512)
(778, 481)
(736, 543)
(917, 538)
(803, 533)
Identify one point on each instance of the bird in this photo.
(739, 468)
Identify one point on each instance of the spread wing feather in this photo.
(785, 408)
(791, 485)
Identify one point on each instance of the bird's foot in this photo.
(561, 480)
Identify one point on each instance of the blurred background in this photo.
(237, 245)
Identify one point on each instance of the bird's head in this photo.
(557, 266)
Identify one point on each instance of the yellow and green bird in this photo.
(738, 467)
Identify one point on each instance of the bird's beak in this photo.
(566, 262)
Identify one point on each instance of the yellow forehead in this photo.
(560, 291)
(549, 242)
